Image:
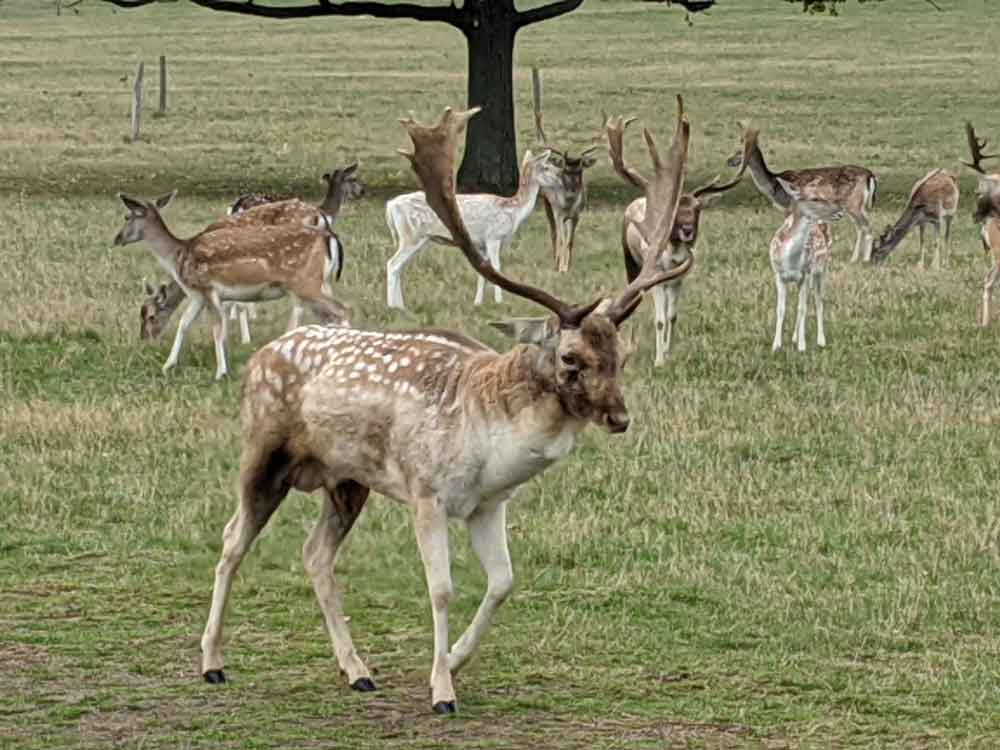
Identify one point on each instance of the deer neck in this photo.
(765, 180)
(518, 388)
(895, 234)
(333, 201)
(164, 244)
(523, 201)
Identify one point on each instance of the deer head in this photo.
(691, 204)
(346, 181)
(578, 348)
(139, 213)
(989, 184)
(157, 308)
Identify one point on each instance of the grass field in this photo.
(784, 551)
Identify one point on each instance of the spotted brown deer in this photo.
(245, 263)
(685, 232)
(252, 209)
(933, 200)
(492, 221)
(850, 187)
(433, 419)
(564, 204)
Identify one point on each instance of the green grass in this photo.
(784, 551)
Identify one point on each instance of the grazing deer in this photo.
(987, 214)
(800, 250)
(492, 221)
(254, 263)
(433, 419)
(682, 241)
(159, 305)
(563, 205)
(341, 183)
(988, 190)
(850, 187)
(933, 200)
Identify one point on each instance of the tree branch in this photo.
(545, 12)
(445, 14)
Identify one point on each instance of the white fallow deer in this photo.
(433, 419)
(492, 221)
(987, 214)
(160, 304)
(564, 204)
(933, 200)
(852, 188)
(242, 263)
(635, 226)
(800, 250)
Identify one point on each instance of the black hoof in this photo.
(445, 707)
(215, 677)
(363, 685)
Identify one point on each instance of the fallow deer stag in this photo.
(252, 210)
(800, 250)
(852, 188)
(433, 419)
(987, 214)
(246, 263)
(988, 189)
(563, 205)
(933, 200)
(492, 221)
(635, 226)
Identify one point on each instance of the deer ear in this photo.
(147, 288)
(350, 168)
(134, 205)
(528, 330)
(589, 161)
(163, 201)
(709, 201)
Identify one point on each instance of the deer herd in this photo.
(436, 420)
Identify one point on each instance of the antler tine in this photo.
(713, 188)
(614, 128)
(662, 198)
(976, 146)
(433, 160)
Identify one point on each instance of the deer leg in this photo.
(863, 244)
(817, 290)
(244, 316)
(946, 241)
(800, 319)
(673, 299)
(570, 239)
(394, 271)
(431, 526)
(263, 486)
(219, 330)
(920, 235)
(196, 303)
(493, 253)
(991, 281)
(341, 506)
(488, 537)
(553, 230)
(660, 311)
(779, 312)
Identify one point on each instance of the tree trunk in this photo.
(490, 164)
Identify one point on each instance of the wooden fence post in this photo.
(137, 103)
(536, 100)
(163, 85)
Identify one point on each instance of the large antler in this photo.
(713, 187)
(614, 128)
(976, 146)
(433, 159)
(662, 197)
